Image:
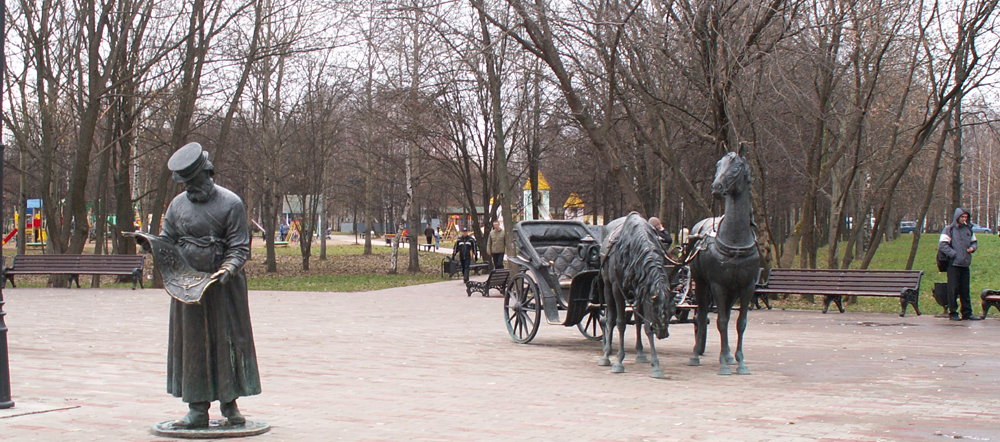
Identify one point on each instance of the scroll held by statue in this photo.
(182, 282)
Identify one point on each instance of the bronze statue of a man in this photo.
(211, 355)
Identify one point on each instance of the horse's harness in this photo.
(727, 251)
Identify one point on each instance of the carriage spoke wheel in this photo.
(592, 324)
(683, 295)
(522, 308)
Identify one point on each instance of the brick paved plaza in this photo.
(427, 363)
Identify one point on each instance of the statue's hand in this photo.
(223, 275)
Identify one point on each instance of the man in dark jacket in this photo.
(429, 234)
(467, 251)
(959, 243)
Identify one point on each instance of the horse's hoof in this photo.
(658, 374)
(641, 359)
(742, 370)
(694, 362)
(618, 368)
(725, 371)
(604, 362)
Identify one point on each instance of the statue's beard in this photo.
(200, 193)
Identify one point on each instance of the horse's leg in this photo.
(657, 373)
(618, 366)
(722, 321)
(607, 325)
(741, 326)
(700, 324)
(640, 357)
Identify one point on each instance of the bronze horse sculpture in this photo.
(725, 260)
(633, 269)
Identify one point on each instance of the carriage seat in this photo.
(566, 262)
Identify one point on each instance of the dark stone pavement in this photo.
(427, 363)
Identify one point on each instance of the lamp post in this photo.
(5, 401)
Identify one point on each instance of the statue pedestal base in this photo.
(217, 429)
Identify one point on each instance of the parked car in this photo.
(907, 226)
(976, 228)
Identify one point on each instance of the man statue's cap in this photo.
(188, 161)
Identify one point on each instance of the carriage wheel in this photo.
(592, 324)
(682, 286)
(522, 308)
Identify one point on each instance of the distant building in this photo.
(543, 200)
(573, 209)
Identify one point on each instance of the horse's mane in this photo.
(640, 256)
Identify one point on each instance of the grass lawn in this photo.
(892, 256)
(346, 269)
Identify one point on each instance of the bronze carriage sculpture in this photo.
(559, 274)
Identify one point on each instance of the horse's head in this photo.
(732, 176)
(660, 308)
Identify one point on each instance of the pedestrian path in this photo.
(428, 363)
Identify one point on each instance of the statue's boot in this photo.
(232, 413)
(197, 416)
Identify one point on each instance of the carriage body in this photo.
(559, 262)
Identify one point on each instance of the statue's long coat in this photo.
(211, 354)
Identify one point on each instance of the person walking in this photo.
(429, 235)
(437, 238)
(467, 251)
(959, 243)
(496, 245)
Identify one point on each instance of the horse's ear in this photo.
(742, 151)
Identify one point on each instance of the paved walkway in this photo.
(427, 363)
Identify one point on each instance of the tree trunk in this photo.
(957, 156)
(928, 194)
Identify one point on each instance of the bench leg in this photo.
(9, 278)
(757, 298)
(833, 298)
(475, 286)
(987, 303)
(137, 277)
(908, 297)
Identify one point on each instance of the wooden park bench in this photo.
(388, 238)
(428, 247)
(281, 243)
(835, 284)
(74, 266)
(497, 280)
